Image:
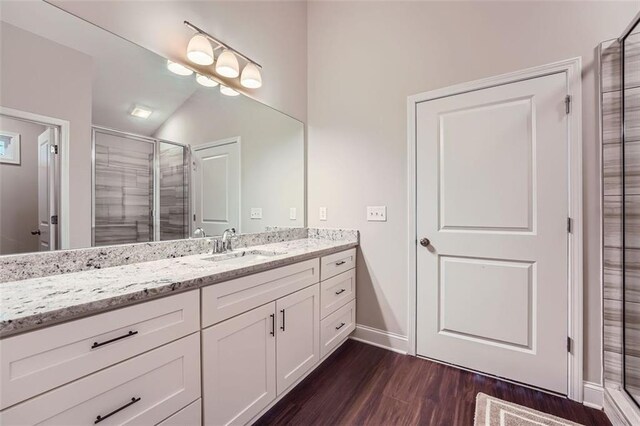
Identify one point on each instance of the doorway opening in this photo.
(31, 152)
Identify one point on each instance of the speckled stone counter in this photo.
(39, 302)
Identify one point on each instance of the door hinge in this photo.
(194, 217)
(54, 219)
(569, 344)
(567, 104)
(54, 149)
(569, 225)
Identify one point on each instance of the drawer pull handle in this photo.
(342, 290)
(340, 326)
(282, 328)
(273, 324)
(342, 262)
(106, 342)
(106, 416)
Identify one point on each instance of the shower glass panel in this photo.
(630, 104)
(141, 189)
(174, 191)
(123, 190)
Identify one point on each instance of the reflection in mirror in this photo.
(101, 144)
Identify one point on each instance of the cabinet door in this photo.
(238, 361)
(298, 335)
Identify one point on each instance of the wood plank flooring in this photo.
(362, 384)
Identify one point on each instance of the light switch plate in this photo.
(323, 213)
(292, 213)
(377, 213)
(256, 213)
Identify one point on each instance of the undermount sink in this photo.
(243, 256)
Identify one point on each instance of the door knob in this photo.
(424, 242)
(36, 232)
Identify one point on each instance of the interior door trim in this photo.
(62, 168)
(572, 69)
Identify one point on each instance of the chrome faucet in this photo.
(224, 245)
(227, 236)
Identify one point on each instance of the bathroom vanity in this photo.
(198, 339)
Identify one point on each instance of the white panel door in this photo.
(217, 187)
(492, 191)
(239, 367)
(46, 182)
(298, 347)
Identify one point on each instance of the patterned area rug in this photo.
(492, 411)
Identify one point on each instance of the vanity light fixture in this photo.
(178, 68)
(226, 64)
(199, 50)
(141, 112)
(228, 91)
(251, 77)
(206, 81)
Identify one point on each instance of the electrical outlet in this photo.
(256, 213)
(377, 213)
(292, 213)
(323, 213)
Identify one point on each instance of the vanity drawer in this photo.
(337, 263)
(34, 362)
(336, 327)
(190, 415)
(230, 298)
(143, 390)
(337, 291)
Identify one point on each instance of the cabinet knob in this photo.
(424, 242)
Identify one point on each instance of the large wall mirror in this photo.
(101, 144)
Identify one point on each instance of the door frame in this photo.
(219, 142)
(62, 171)
(572, 69)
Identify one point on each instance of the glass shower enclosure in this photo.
(630, 129)
(140, 189)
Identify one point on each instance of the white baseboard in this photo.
(383, 339)
(593, 395)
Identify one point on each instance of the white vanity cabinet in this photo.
(250, 359)
(35, 362)
(239, 366)
(297, 336)
(143, 390)
(222, 354)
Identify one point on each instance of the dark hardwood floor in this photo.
(362, 384)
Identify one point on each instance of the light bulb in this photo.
(251, 77)
(178, 68)
(206, 81)
(228, 91)
(199, 50)
(227, 64)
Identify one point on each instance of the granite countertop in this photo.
(39, 302)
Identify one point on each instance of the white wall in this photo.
(46, 78)
(19, 190)
(365, 58)
(272, 152)
(273, 33)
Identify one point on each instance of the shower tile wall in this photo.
(612, 207)
(174, 195)
(123, 190)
